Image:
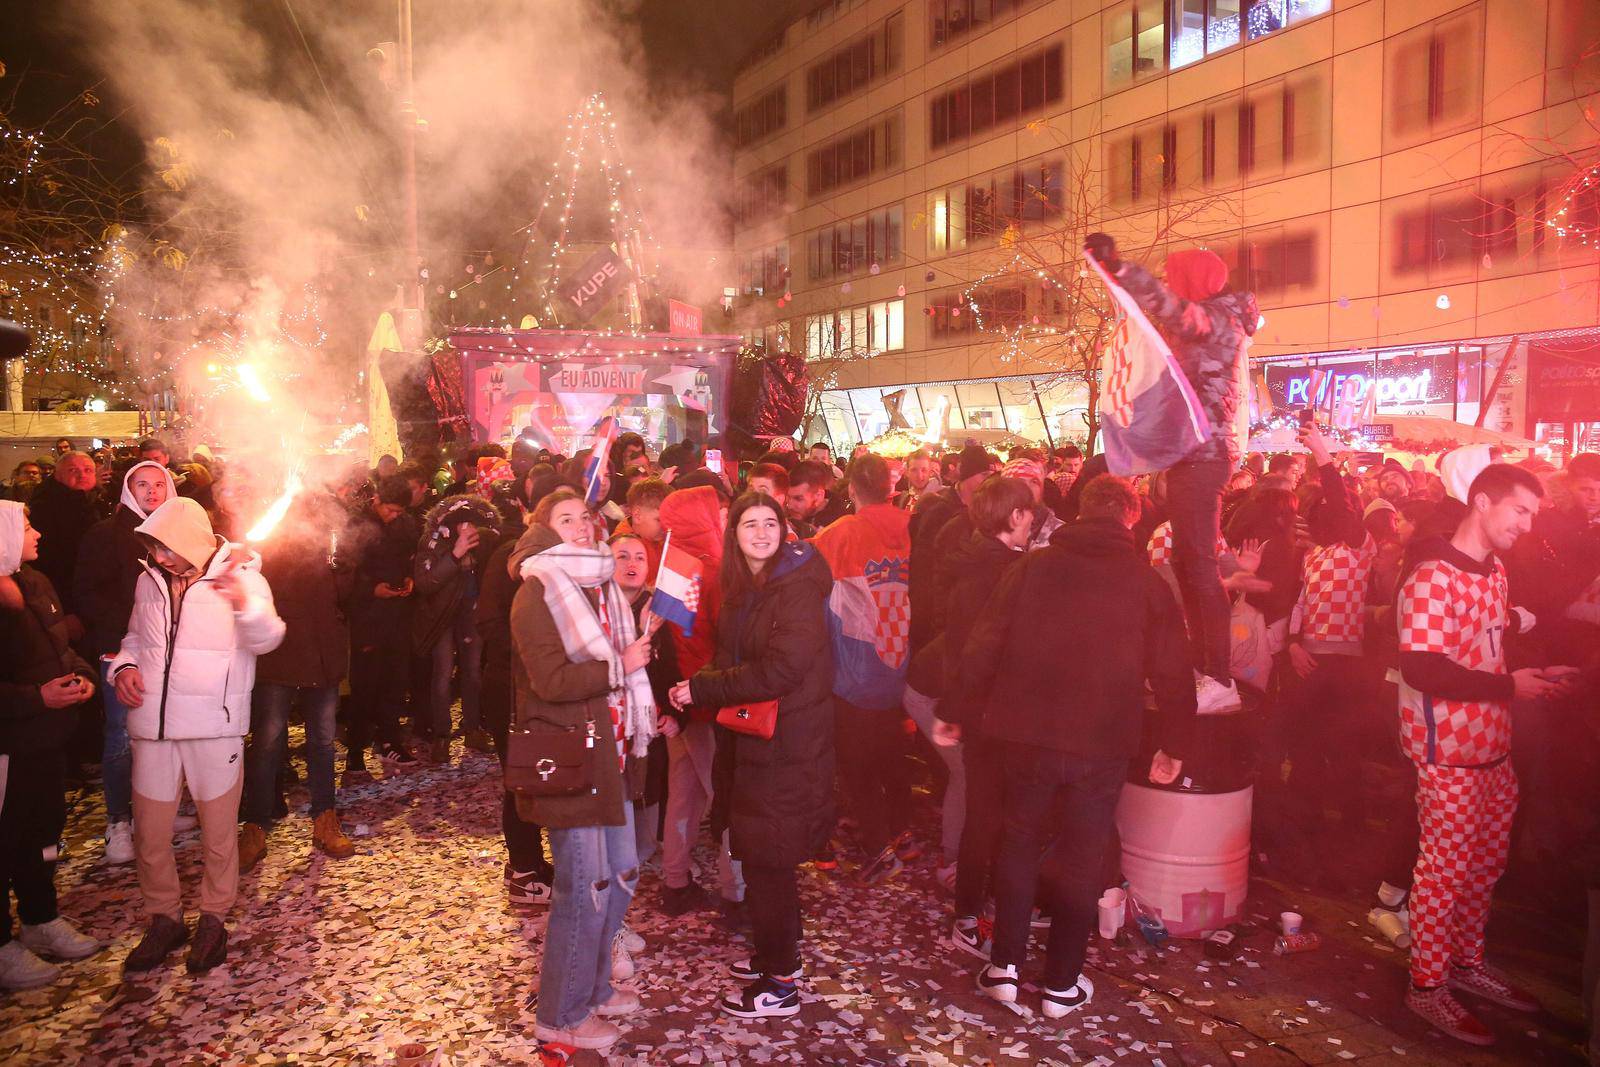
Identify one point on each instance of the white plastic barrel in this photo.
(1186, 856)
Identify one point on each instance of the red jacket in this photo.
(693, 518)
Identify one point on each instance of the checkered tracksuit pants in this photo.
(1465, 817)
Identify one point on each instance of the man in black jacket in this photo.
(62, 510)
(1062, 652)
(103, 581)
(380, 629)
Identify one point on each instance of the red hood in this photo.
(694, 519)
(1196, 274)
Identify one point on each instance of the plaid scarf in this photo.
(566, 571)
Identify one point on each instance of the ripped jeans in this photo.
(596, 874)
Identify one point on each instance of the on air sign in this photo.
(685, 319)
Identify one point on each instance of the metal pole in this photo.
(1043, 421)
(412, 279)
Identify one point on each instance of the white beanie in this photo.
(12, 515)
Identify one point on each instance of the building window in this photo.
(852, 68)
(984, 207)
(1272, 263)
(864, 151)
(864, 330)
(1442, 237)
(763, 194)
(764, 271)
(950, 19)
(869, 240)
(1435, 76)
(1136, 39)
(954, 314)
(763, 116)
(996, 97)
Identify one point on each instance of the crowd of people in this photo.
(1042, 624)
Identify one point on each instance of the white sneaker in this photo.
(21, 969)
(630, 940)
(119, 842)
(593, 1032)
(59, 940)
(999, 983)
(621, 1002)
(1214, 698)
(1057, 1002)
(622, 966)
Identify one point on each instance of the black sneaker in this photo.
(765, 998)
(1038, 920)
(908, 848)
(398, 757)
(210, 945)
(1057, 1002)
(681, 900)
(745, 971)
(527, 887)
(884, 866)
(999, 983)
(160, 938)
(974, 936)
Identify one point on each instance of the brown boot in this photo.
(252, 846)
(328, 835)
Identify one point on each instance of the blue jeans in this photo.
(457, 646)
(116, 758)
(1194, 502)
(269, 747)
(596, 875)
(1060, 810)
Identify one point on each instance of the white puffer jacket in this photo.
(197, 656)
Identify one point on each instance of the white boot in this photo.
(21, 969)
(58, 940)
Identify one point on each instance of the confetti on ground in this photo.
(412, 940)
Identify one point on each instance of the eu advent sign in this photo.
(593, 285)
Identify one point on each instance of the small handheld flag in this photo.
(677, 595)
(599, 456)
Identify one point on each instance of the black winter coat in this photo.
(975, 568)
(309, 595)
(446, 586)
(62, 516)
(776, 797)
(34, 650)
(102, 584)
(1061, 651)
(384, 552)
(492, 617)
(930, 517)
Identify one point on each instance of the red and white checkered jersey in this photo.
(1333, 597)
(1464, 616)
(1161, 545)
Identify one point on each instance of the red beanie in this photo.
(1196, 274)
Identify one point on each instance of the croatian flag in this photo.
(600, 455)
(1149, 415)
(677, 595)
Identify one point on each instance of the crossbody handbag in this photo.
(551, 763)
(758, 718)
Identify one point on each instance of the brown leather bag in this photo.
(551, 763)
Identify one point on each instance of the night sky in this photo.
(689, 43)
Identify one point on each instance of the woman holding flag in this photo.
(774, 793)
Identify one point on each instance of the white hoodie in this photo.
(128, 500)
(197, 656)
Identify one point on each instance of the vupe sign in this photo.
(588, 290)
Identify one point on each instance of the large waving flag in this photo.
(599, 456)
(1149, 415)
(677, 595)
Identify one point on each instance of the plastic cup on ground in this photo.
(1289, 923)
(1113, 912)
(412, 1055)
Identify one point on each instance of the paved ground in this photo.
(411, 940)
